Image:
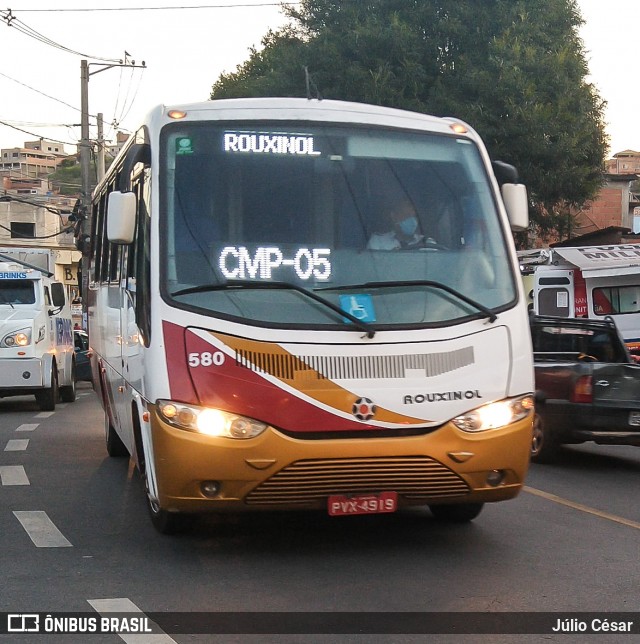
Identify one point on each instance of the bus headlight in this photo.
(211, 422)
(20, 338)
(495, 415)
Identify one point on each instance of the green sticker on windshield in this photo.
(184, 145)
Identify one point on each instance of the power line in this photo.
(13, 127)
(40, 124)
(16, 235)
(22, 27)
(31, 202)
(171, 8)
(126, 108)
(67, 228)
(33, 89)
(77, 109)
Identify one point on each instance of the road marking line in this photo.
(17, 445)
(41, 529)
(582, 508)
(125, 605)
(13, 475)
(45, 414)
(27, 428)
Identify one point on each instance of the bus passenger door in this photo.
(133, 280)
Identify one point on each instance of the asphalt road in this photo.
(75, 539)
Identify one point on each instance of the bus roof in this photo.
(302, 109)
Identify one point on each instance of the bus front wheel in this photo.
(164, 522)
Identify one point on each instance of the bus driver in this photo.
(401, 229)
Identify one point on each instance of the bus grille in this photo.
(310, 481)
(354, 367)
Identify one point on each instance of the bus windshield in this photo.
(398, 229)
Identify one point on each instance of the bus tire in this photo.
(115, 446)
(164, 522)
(47, 398)
(68, 392)
(456, 512)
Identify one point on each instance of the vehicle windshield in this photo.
(579, 341)
(396, 228)
(17, 292)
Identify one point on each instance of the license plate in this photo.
(339, 506)
(634, 418)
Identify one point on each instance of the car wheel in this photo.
(456, 513)
(47, 398)
(115, 446)
(544, 447)
(68, 392)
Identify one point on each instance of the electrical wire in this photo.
(13, 127)
(127, 103)
(17, 24)
(55, 211)
(170, 8)
(39, 124)
(16, 235)
(33, 89)
(68, 228)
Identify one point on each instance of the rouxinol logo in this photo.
(13, 276)
(364, 409)
(442, 396)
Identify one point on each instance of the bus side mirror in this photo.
(121, 217)
(514, 196)
(57, 294)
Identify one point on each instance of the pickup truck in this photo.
(587, 385)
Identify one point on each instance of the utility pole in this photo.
(85, 143)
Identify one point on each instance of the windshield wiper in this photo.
(439, 285)
(204, 288)
(4, 300)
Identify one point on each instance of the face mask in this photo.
(408, 226)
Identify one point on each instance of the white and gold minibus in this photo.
(310, 304)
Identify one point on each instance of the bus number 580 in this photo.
(206, 359)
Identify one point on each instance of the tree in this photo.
(66, 178)
(515, 70)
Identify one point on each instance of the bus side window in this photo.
(97, 235)
(108, 252)
(139, 264)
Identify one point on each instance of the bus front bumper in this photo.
(198, 473)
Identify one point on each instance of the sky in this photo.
(185, 50)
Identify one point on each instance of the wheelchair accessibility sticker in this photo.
(359, 305)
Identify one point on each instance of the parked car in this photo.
(83, 364)
(587, 385)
